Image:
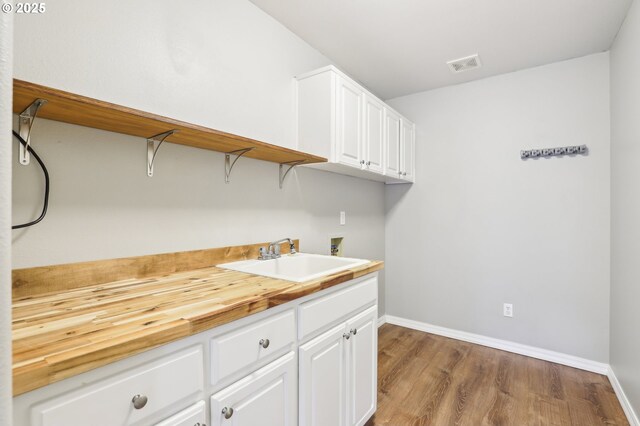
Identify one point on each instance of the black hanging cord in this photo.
(46, 184)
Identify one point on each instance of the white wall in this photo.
(625, 206)
(223, 64)
(220, 63)
(6, 95)
(481, 227)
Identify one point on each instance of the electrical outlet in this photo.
(343, 218)
(507, 310)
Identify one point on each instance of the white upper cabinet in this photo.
(349, 124)
(392, 146)
(373, 142)
(339, 119)
(407, 150)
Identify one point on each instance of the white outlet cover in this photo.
(343, 218)
(507, 310)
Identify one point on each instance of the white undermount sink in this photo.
(299, 267)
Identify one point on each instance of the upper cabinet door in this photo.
(407, 150)
(349, 123)
(373, 140)
(392, 143)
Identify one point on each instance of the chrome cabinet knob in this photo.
(264, 343)
(404, 173)
(368, 163)
(354, 331)
(347, 336)
(361, 161)
(139, 401)
(228, 412)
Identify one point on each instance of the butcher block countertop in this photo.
(59, 334)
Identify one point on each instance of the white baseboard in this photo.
(505, 345)
(382, 320)
(622, 397)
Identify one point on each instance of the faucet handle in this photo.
(263, 253)
(276, 249)
(292, 248)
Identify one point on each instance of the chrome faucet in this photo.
(273, 251)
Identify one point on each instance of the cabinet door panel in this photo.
(322, 380)
(266, 397)
(392, 143)
(191, 416)
(349, 123)
(407, 149)
(373, 140)
(362, 350)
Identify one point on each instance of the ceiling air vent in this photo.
(465, 64)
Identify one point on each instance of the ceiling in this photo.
(398, 47)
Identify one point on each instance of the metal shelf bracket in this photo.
(153, 144)
(228, 164)
(25, 124)
(284, 173)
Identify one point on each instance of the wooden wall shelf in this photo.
(83, 111)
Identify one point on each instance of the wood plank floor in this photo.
(424, 379)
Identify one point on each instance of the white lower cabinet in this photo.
(129, 398)
(338, 374)
(322, 380)
(362, 367)
(192, 416)
(253, 345)
(319, 313)
(266, 397)
(312, 362)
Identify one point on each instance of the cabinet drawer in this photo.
(316, 314)
(192, 416)
(164, 383)
(241, 348)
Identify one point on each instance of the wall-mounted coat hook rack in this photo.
(228, 164)
(552, 152)
(289, 166)
(153, 144)
(25, 124)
